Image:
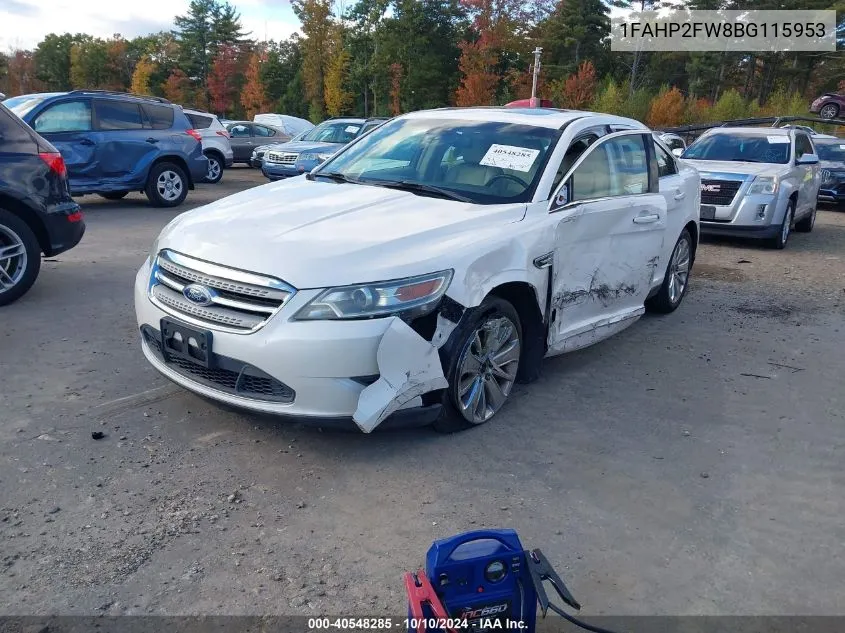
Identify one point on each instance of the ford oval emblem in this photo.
(199, 295)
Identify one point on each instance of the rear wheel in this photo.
(20, 257)
(215, 169)
(167, 185)
(484, 355)
(829, 111)
(779, 241)
(805, 225)
(114, 195)
(676, 279)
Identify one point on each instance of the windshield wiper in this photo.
(332, 175)
(406, 185)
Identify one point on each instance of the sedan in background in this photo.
(829, 105)
(245, 136)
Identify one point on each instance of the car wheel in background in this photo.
(779, 241)
(114, 195)
(483, 359)
(167, 185)
(215, 169)
(20, 257)
(676, 279)
(805, 225)
(829, 111)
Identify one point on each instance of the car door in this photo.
(124, 146)
(68, 126)
(608, 240)
(808, 188)
(241, 138)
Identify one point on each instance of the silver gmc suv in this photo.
(756, 182)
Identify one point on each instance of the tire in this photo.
(157, 191)
(18, 271)
(470, 338)
(114, 195)
(215, 169)
(779, 241)
(678, 270)
(829, 111)
(805, 225)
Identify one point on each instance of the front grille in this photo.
(281, 158)
(238, 301)
(725, 191)
(228, 375)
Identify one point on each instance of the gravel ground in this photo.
(690, 465)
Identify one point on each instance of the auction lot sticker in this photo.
(510, 157)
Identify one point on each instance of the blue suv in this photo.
(113, 143)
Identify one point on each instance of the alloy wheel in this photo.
(679, 267)
(487, 369)
(213, 169)
(13, 259)
(169, 185)
(829, 111)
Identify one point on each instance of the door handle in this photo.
(86, 141)
(646, 219)
(152, 140)
(680, 195)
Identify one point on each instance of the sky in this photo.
(23, 23)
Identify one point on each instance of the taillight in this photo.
(195, 134)
(223, 133)
(55, 162)
(75, 217)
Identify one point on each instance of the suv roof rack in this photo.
(772, 121)
(117, 93)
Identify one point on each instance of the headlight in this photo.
(154, 249)
(410, 297)
(315, 157)
(764, 184)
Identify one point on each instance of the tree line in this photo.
(384, 57)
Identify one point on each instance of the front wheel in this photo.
(779, 241)
(20, 257)
(805, 225)
(215, 169)
(483, 360)
(676, 279)
(829, 111)
(167, 185)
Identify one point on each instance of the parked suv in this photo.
(756, 182)
(37, 214)
(423, 269)
(114, 143)
(215, 143)
(315, 146)
(831, 169)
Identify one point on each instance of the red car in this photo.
(829, 105)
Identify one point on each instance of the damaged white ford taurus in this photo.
(424, 269)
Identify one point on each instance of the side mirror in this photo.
(677, 151)
(808, 159)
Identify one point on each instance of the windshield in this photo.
(484, 162)
(832, 151)
(23, 104)
(333, 132)
(752, 148)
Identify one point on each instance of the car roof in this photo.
(200, 112)
(828, 140)
(538, 117)
(752, 131)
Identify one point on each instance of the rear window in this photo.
(117, 115)
(260, 130)
(159, 116)
(199, 122)
(12, 129)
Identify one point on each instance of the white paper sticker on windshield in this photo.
(778, 139)
(510, 157)
(842, 147)
(351, 129)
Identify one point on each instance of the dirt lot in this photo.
(690, 465)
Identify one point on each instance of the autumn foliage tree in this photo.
(666, 109)
(177, 88)
(222, 86)
(578, 90)
(338, 99)
(144, 70)
(395, 88)
(253, 96)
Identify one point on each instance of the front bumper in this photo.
(65, 227)
(730, 230)
(832, 193)
(749, 215)
(198, 166)
(275, 171)
(325, 364)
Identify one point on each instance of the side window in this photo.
(159, 117)
(260, 130)
(70, 116)
(802, 145)
(576, 148)
(199, 122)
(665, 163)
(239, 131)
(675, 143)
(117, 115)
(618, 167)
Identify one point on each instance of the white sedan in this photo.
(422, 270)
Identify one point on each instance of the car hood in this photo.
(832, 165)
(316, 234)
(305, 146)
(708, 168)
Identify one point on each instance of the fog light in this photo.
(761, 211)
